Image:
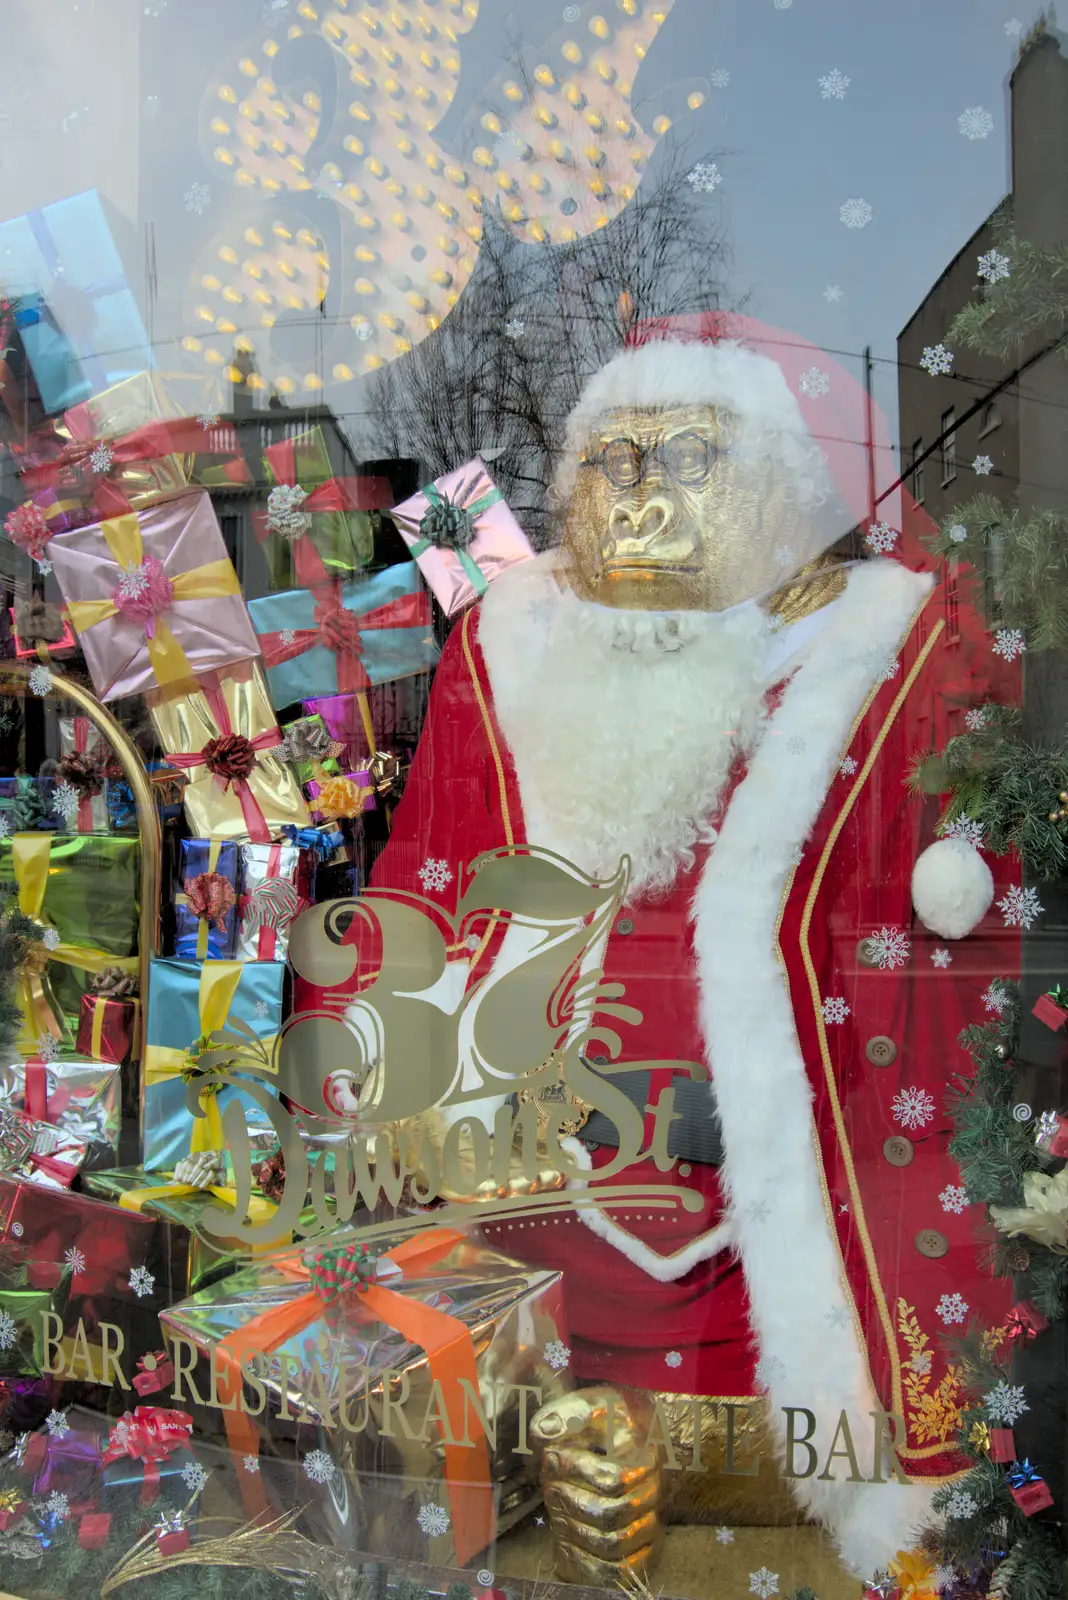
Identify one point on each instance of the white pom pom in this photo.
(951, 888)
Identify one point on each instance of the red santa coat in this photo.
(849, 1250)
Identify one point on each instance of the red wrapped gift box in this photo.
(1048, 1011)
(1032, 1497)
(106, 1028)
(12, 1509)
(1002, 1445)
(93, 1530)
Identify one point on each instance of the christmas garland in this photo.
(18, 933)
(1024, 296)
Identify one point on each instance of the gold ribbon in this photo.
(203, 924)
(30, 862)
(260, 1209)
(96, 1044)
(218, 985)
(212, 581)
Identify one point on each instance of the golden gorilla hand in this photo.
(601, 1483)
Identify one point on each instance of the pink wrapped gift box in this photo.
(153, 597)
(462, 535)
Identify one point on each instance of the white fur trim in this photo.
(665, 1269)
(952, 888)
(796, 1290)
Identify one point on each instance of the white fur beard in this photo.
(627, 732)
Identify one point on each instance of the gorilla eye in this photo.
(688, 457)
(622, 462)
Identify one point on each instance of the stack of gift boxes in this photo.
(268, 716)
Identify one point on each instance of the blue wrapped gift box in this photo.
(181, 1009)
(79, 323)
(195, 938)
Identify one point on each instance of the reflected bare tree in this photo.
(504, 369)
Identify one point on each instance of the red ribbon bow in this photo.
(255, 821)
(211, 896)
(149, 1434)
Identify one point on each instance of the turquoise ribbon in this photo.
(439, 502)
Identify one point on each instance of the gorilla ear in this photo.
(952, 888)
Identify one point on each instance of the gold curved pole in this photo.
(136, 775)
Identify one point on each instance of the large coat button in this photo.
(625, 925)
(931, 1243)
(881, 1051)
(898, 1150)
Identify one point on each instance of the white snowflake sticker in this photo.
(1020, 907)
(974, 720)
(814, 383)
(319, 1466)
(952, 1308)
(704, 178)
(719, 77)
(45, 1047)
(889, 948)
(834, 1009)
(913, 1108)
(961, 1504)
(194, 1476)
(833, 85)
(557, 1354)
(100, 458)
(966, 828)
(286, 637)
(75, 1259)
(954, 1198)
(855, 213)
(251, 1463)
(58, 1504)
(133, 583)
(50, 939)
(941, 957)
(847, 766)
(40, 680)
(724, 1535)
(8, 1330)
(142, 1282)
(936, 359)
(1014, 27)
(433, 1520)
(956, 533)
(435, 875)
(515, 328)
(976, 123)
(66, 801)
(673, 1358)
(881, 538)
(1006, 1403)
(993, 266)
(57, 1424)
(1009, 643)
(763, 1583)
(983, 466)
(197, 198)
(208, 419)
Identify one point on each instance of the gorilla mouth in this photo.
(631, 566)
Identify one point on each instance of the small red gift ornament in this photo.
(172, 1535)
(93, 1530)
(1002, 1445)
(1050, 1008)
(12, 1509)
(1028, 1488)
(154, 1372)
(1025, 1322)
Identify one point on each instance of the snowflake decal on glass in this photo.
(964, 827)
(768, 1368)
(974, 720)
(847, 766)
(319, 1466)
(704, 178)
(557, 1354)
(719, 78)
(961, 1504)
(65, 801)
(1020, 907)
(5, 827)
(132, 584)
(673, 1358)
(836, 1317)
(197, 198)
(8, 1330)
(433, 1520)
(881, 538)
(75, 1259)
(855, 213)
(1006, 1403)
(40, 680)
(921, 1364)
(993, 266)
(956, 532)
(943, 1577)
(941, 957)
(515, 328)
(891, 668)
(194, 1477)
(262, 1008)
(58, 1504)
(57, 1424)
(1009, 643)
(889, 948)
(50, 939)
(952, 1308)
(982, 466)
(814, 383)
(832, 294)
(509, 146)
(834, 1009)
(954, 1198)
(833, 85)
(142, 1282)
(976, 123)
(763, 1583)
(758, 1211)
(1014, 27)
(435, 875)
(936, 359)
(913, 1108)
(100, 458)
(208, 419)
(287, 636)
(46, 1047)
(724, 1535)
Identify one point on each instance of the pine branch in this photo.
(1015, 568)
(1030, 303)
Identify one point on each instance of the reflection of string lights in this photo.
(555, 148)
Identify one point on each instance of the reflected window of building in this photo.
(947, 448)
